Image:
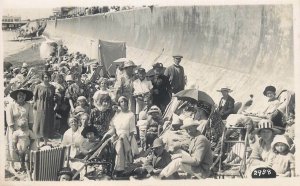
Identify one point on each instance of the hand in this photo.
(175, 156)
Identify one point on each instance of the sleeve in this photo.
(256, 152)
(168, 73)
(68, 94)
(64, 140)
(230, 108)
(35, 93)
(9, 115)
(150, 86)
(92, 117)
(132, 127)
(15, 137)
(196, 158)
(30, 114)
(292, 161)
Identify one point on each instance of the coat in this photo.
(227, 108)
(176, 77)
(200, 156)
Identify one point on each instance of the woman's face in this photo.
(73, 124)
(103, 104)
(103, 85)
(46, 79)
(141, 75)
(124, 105)
(266, 134)
(280, 147)
(90, 135)
(21, 97)
(82, 103)
(270, 94)
(84, 120)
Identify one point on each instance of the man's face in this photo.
(158, 150)
(141, 75)
(157, 71)
(177, 61)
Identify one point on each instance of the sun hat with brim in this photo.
(280, 139)
(154, 109)
(226, 88)
(189, 122)
(129, 63)
(28, 94)
(158, 143)
(89, 129)
(266, 124)
(269, 88)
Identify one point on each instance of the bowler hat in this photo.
(28, 93)
(269, 88)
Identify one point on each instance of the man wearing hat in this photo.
(176, 76)
(198, 160)
(124, 84)
(226, 104)
(141, 87)
(162, 91)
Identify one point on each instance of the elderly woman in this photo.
(102, 114)
(261, 150)
(16, 110)
(44, 106)
(72, 137)
(124, 129)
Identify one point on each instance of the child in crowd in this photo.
(142, 124)
(82, 105)
(155, 124)
(83, 121)
(23, 139)
(282, 160)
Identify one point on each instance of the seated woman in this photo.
(72, 137)
(90, 141)
(123, 129)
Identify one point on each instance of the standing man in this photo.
(162, 90)
(176, 76)
(226, 105)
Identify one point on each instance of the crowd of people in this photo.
(71, 99)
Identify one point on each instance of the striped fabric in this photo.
(47, 163)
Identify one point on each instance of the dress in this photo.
(124, 124)
(175, 73)
(101, 120)
(282, 163)
(44, 119)
(161, 91)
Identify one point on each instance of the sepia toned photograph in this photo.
(149, 91)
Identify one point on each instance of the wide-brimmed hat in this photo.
(158, 143)
(129, 63)
(154, 109)
(88, 129)
(176, 56)
(266, 124)
(269, 88)
(280, 139)
(15, 93)
(158, 65)
(225, 88)
(188, 122)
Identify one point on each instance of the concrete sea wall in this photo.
(244, 47)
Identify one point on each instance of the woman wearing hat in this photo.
(16, 110)
(124, 129)
(226, 104)
(44, 105)
(262, 149)
(124, 84)
(89, 142)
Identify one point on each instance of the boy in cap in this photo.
(162, 91)
(176, 75)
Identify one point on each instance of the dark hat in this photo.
(66, 170)
(177, 56)
(88, 129)
(158, 65)
(141, 70)
(269, 88)
(28, 93)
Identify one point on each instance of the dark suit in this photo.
(227, 108)
(176, 77)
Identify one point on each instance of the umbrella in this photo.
(196, 95)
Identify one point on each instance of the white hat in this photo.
(188, 122)
(69, 78)
(24, 65)
(280, 139)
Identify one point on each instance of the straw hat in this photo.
(129, 63)
(157, 143)
(266, 124)
(269, 88)
(28, 94)
(188, 122)
(225, 88)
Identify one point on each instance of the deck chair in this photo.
(233, 154)
(45, 164)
